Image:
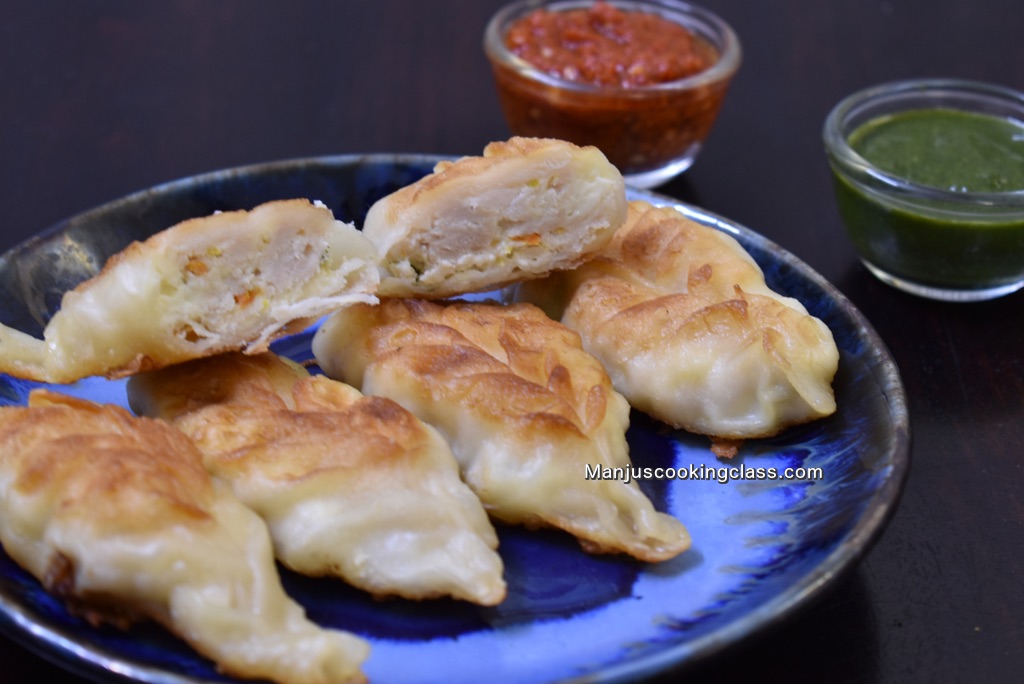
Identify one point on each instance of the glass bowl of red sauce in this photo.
(641, 80)
(929, 182)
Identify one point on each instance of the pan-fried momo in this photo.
(349, 485)
(526, 207)
(116, 516)
(681, 317)
(233, 280)
(525, 409)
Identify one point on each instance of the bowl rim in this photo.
(730, 50)
(857, 169)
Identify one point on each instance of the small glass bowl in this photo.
(944, 244)
(651, 133)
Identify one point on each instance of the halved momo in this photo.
(526, 207)
(229, 281)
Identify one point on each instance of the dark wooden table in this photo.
(99, 99)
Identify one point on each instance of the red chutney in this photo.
(603, 45)
(648, 122)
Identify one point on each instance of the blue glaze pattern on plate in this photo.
(761, 549)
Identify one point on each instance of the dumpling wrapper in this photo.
(525, 409)
(229, 281)
(116, 516)
(351, 486)
(526, 207)
(690, 333)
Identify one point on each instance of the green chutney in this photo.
(944, 244)
(947, 149)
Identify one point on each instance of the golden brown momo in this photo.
(232, 280)
(525, 409)
(351, 486)
(526, 207)
(681, 317)
(117, 516)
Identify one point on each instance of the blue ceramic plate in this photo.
(761, 549)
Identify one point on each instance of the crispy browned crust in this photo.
(290, 443)
(261, 414)
(525, 407)
(510, 363)
(110, 469)
(112, 505)
(664, 275)
(671, 254)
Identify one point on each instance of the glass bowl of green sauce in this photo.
(929, 181)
